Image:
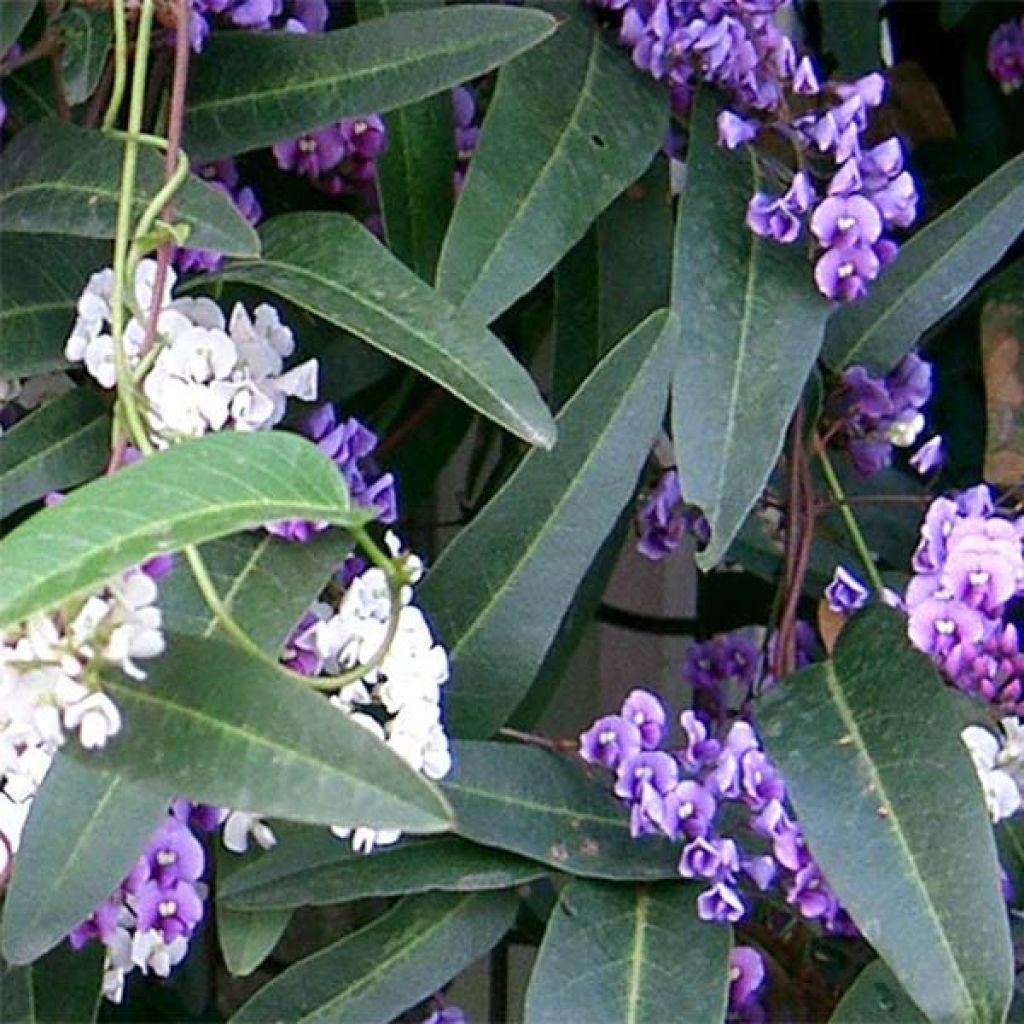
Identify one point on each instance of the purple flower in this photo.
(687, 810)
(610, 741)
(845, 221)
(929, 456)
(811, 894)
(992, 669)
(844, 272)
(845, 594)
(365, 137)
(313, 153)
(647, 713)
(174, 910)
(699, 750)
(746, 975)
(720, 903)
(175, 853)
(446, 1015)
(1005, 55)
(654, 769)
(713, 859)
(936, 625)
(100, 924)
(734, 130)
(779, 217)
(759, 781)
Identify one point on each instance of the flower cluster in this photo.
(1005, 56)
(50, 685)
(999, 761)
(398, 696)
(208, 374)
(223, 176)
(875, 414)
(256, 16)
(688, 794)
(664, 519)
(847, 195)
(968, 568)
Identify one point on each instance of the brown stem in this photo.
(559, 746)
(60, 96)
(785, 647)
(101, 96)
(409, 426)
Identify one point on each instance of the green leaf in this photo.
(508, 579)
(933, 272)
(851, 30)
(86, 36)
(383, 969)
(952, 12)
(41, 278)
(593, 124)
(83, 834)
(194, 491)
(14, 16)
(265, 583)
(314, 868)
(28, 92)
(415, 173)
(57, 446)
(335, 268)
(551, 809)
(630, 953)
(247, 938)
(611, 280)
(251, 90)
(62, 988)
(869, 745)
(61, 179)
(876, 997)
(223, 727)
(752, 326)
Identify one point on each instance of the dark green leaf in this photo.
(852, 34)
(195, 491)
(869, 745)
(247, 938)
(57, 446)
(41, 278)
(225, 728)
(335, 268)
(65, 180)
(14, 16)
(593, 124)
(629, 953)
(62, 988)
(506, 582)
(752, 326)
(83, 834)
(86, 36)
(264, 582)
(952, 12)
(877, 997)
(934, 271)
(312, 867)
(28, 92)
(376, 973)
(551, 809)
(252, 90)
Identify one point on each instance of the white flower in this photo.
(903, 433)
(239, 826)
(1002, 797)
(96, 718)
(151, 952)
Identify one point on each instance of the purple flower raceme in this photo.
(1005, 56)
(254, 16)
(689, 793)
(664, 519)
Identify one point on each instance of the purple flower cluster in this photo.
(1005, 57)
(875, 414)
(148, 920)
(737, 46)
(350, 445)
(679, 794)
(223, 176)
(664, 519)
(256, 16)
(969, 569)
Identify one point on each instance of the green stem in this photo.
(850, 520)
(120, 66)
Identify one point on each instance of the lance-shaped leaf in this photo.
(311, 867)
(551, 809)
(252, 90)
(632, 953)
(869, 744)
(83, 834)
(195, 491)
(247, 938)
(933, 272)
(752, 326)
(57, 446)
(506, 582)
(264, 582)
(62, 179)
(383, 969)
(226, 728)
(63, 987)
(335, 268)
(41, 278)
(593, 123)
(876, 997)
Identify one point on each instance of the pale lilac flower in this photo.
(610, 741)
(929, 456)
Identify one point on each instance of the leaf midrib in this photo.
(637, 949)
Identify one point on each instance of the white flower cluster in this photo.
(999, 762)
(208, 373)
(399, 700)
(148, 951)
(48, 686)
